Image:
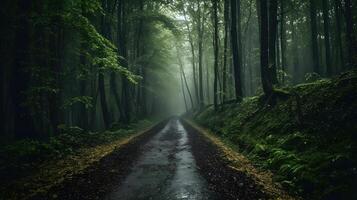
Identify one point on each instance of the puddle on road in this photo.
(166, 170)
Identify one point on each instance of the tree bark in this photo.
(183, 92)
(200, 54)
(123, 62)
(193, 60)
(340, 57)
(216, 52)
(224, 71)
(264, 48)
(235, 49)
(349, 35)
(103, 100)
(23, 122)
(273, 22)
(327, 36)
(282, 40)
(314, 43)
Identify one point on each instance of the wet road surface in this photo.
(165, 170)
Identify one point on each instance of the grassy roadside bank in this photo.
(308, 139)
(220, 162)
(30, 167)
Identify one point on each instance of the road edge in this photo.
(239, 163)
(93, 164)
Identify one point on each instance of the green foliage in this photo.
(312, 156)
(25, 155)
(85, 100)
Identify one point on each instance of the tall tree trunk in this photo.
(264, 48)
(114, 89)
(282, 40)
(325, 5)
(295, 53)
(273, 26)
(101, 85)
(235, 49)
(139, 51)
(103, 100)
(340, 57)
(183, 92)
(224, 71)
(314, 43)
(123, 62)
(83, 119)
(349, 35)
(216, 52)
(207, 83)
(200, 54)
(23, 122)
(240, 49)
(182, 72)
(186, 84)
(193, 60)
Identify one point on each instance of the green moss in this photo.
(307, 138)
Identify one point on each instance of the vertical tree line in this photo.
(292, 47)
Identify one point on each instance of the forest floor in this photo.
(173, 160)
(31, 167)
(306, 138)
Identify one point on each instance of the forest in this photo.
(92, 90)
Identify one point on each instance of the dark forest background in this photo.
(100, 63)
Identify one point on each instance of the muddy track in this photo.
(96, 181)
(170, 161)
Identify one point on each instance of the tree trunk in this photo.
(123, 62)
(327, 36)
(314, 43)
(273, 22)
(224, 71)
(103, 100)
(114, 89)
(183, 92)
(235, 49)
(282, 40)
(216, 52)
(295, 53)
(200, 54)
(187, 87)
(349, 35)
(193, 60)
(264, 48)
(340, 57)
(101, 85)
(23, 122)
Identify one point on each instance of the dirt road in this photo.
(165, 170)
(172, 161)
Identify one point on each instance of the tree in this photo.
(235, 53)
(225, 50)
(273, 26)
(282, 38)
(123, 53)
(327, 36)
(339, 55)
(264, 48)
(193, 59)
(216, 52)
(313, 25)
(351, 53)
(200, 27)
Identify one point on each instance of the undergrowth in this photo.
(308, 140)
(24, 156)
